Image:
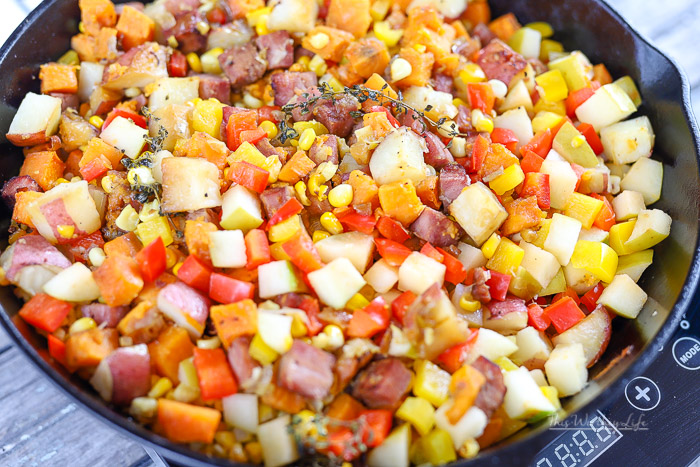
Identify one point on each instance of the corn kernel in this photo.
(472, 73)
(149, 211)
(128, 219)
(81, 27)
(96, 121)
(469, 449)
(340, 196)
(319, 235)
(261, 352)
(577, 141)
(66, 231)
(254, 16)
(177, 267)
(270, 128)
(318, 65)
(420, 48)
(481, 122)
(319, 40)
(400, 69)
(331, 223)
(75, 179)
(194, 62)
(490, 245)
(307, 139)
(140, 176)
(299, 328)
(159, 389)
(316, 187)
(335, 337)
(284, 230)
(158, 227)
(318, 127)
(202, 27)
(300, 190)
(383, 32)
(211, 343)
(96, 256)
(469, 305)
(225, 438)
(184, 393)
(170, 257)
(251, 101)
(82, 324)
(356, 302)
(210, 61)
(303, 62)
(261, 26)
(498, 87)
(172, 42)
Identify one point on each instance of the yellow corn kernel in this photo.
(254, 16)
(577, 141)
(150, 211)
(544, 120)
(340, 196)
(490, 245)
(159, 389)
(472, 73)
(273, 165)
(335, 337)
(63, 180)
(251, 101)
(96, 121)
(316, 187)
(298, 326)
(172, 42)
(261, 352)
(400, 69)
(509, 179)
(69, 58)
(128, 219)
(177, 267)
(331, 223)
(284, 230)
(261, 26)
(211, 343)
(318, 65)
(307, 138)
(505, 363)
(67, 231)
(278, 253)
(194, 62)
(583, 208)
(481, 122)
(469, 305)
(383, 32)
(319, 40)
(597, 258)
(469, 449)
(545, 29)
(418, 412)
(207, 117)
(506, 258)
(457, 102)
(318, 127)
(319, 235)
(140, 176)
(210, 61)
(432, 383)
(158, 227)
(170, 258)
(202, 27)
(81, 27)
(548, 46)
(300, 190)
(270, 128)
(379, 9)
(552, 85)
(82, 324)
(303, 62)
(356, 302)
(96, 256)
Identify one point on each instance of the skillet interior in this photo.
(587, 25)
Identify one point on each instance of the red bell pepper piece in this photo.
(606, 217)
(177, 66)
(369, 320)
(537, 318)
(590, 298)
(57, 349)
(302, 252)
(217, 15)
(136, 118)
(238, 122)
(392, 229)
(569, 292)
(152, 260)
(537, 184)
(591, 136)
(95, 168)
(195, 274)
(358, 222)
(401, 304)
(393, 252)
(267, 113)
(498, 285)
(80, 247)
(481, 97)
(453, 358)
(531, 162)
(377, 426)
(216, 379)
(479, 152)
(45, 312)
(564, 313)
(431, 252)
(540, 144)
(249, 175)
(253, 136)
(257, 248)
(342, 443)
(576, 98)
(392, 120)
(505, 137)
(455, 272)
(579, 171)
(225, 289)
(288, 209)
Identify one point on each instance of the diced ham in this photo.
(493, 391)
(291, 83)
(266, 148)
(277, 48)
(101, 313)
(498, 61)
(30, 250)
(483, 33)
(240, 360)
(411, 119)
(215, 86)
(443, 83)
(436, 228)
(464, 119)
(185, 32)
(452, 179)
(178, 6)
(131, 373)
(185, 306)
(481, 291)
(383, 384)
(243, 64)
(16, 184)
(335, 115)
(306, 370)
(318, 207)
(509, 305)
(438, 155)
(274, 198)
(324, 149)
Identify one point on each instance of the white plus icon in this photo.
(642, 393)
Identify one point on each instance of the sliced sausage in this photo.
(291, 83)
(277, 48)
(493, 391)
(383, 384)
(438, 155)
(16, 184)
(498, 61)
(335, 114)
(436, 228)
(452, 179)
(243, 64)
(481, 291)
(306, 370)
(508, 305)
(185, 32)
(443, 83)
(215, 86)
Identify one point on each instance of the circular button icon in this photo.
(686, 352)
(642, 393)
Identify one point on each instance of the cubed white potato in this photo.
(89, 77)
(518, 96)
(533, 348)
(420, 97)
(277, 278)
(176, 120)
(526, 41)
(37, 118)
(172, 91)
(336, 282)
(278, 445)
(157, 169)
(628, 205)
(645, 176)
(393, 452)
(623, 296)
(240, 209)
(275, 329)
(627, 141)
(31, 279)
(126, 136)
(608, 105)
(471, 257)
(592, 332)
(518, 121)
(491, 345)
(355, 246)
(241, 411)
(470, 426)
(541, 264)
(538, 376)
(398, 157)
(579, 279)
(382, 276)
(227, 249)
(562, 237)
(562, 181)
(418, 272)
(189, 184)
(478, 211)
(594, 234)
(73, 284)
(566, 369)
(524, 399)
(293, 16)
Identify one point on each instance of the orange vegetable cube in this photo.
(338, 41)
(97, 14)
(498, 156)
(106, 44)
(143, 323)
(296, 168)
(345, 407)
(425, 27)
(56, 77)
(209, 148)
(367, 57)
(522, 213)
(134, 28)
(119, 280)
(97, 147)
(283, 399)
(172, 346)
(84, 45)
(197, 238)
(364, 187)
(377, 83)
(186, 423)
(127, 245)
(464, 386)
(429, 192)
(88, 348)
(44, 167)
(400, 201)
(601, 74)
(478, 12)
(73, 163)
(22, 200)
(504, 26)
(350, 15)
(235, 320)
(421, 66)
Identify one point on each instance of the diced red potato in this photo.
(185, 306)
(493, 391)
(241, 362)
(438, 155)
(36, 120)
(32, 250)
(68, 101)
(593, 332)
(306, 370)
(124, 374)
(452, 179)
(215, 86)
(243, 64)
(383, 384)
(291, 83)
(15, 185)
(137, 68)
(436, 228)
(274, 198)
(102, 313)
(498, 61)
(277, 48)
(509, 305)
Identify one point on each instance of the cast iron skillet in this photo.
(588, 25)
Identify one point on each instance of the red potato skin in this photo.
(28, 139)
(599, 319)
(131, 373)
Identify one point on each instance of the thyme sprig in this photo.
(312, 435)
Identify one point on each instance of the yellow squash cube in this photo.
(437, 447)
(432, 383)
(509, 179)
(207, 117)
(553, 85)
(597, 258)
(157, 227)
(418, 412)
(583, 208)
(507, 257)
(284, 230)
(619, 234)
(557, 107)
(246, 152)
(262, 352)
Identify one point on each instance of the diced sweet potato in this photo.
(127, 245)
(367, 57)
(400, 201)
(207, 147)
(296, 168)
(22, 200)
(601, 74)
(171, 347)
(522, 213)
(234, 320)
(283, 399)
(143, 323)
(97, 14)
(119, 280)
(197, 238)
(425, 27)
(56, 77)
(498, 156)
(84, 45)
(377, 83)
(97, 147)
(44, 167)
(504, 26)
(88, 348)
(186, 423)
(134, 28)
(338, 41)
(429, 192)
(106, 44)
(349, 15)
(421, 66)
(363, 186)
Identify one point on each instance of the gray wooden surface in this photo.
(41, 426)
